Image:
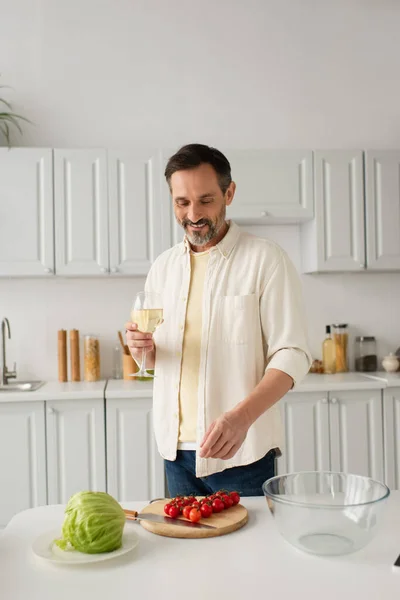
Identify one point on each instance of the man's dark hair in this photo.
(194, 155)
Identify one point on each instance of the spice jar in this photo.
(365, 355)
(341, 337)
(91, 358)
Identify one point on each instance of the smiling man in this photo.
(233, 341)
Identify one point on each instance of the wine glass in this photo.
(147, 313)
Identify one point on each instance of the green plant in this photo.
(9, 119)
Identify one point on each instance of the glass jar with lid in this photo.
(91, 358)
(366, 358)
(340, 336)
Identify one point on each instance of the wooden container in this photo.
(62, 355)
(129, 366)
(74, 355)
(91, 358)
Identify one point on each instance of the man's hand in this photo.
(225, 435)
(136, 341)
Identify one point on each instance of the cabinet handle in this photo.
(114, 270)
(334, 401)
(103, 270)
(47, 270)
(264, 213)
(50, 411)
(324, 400)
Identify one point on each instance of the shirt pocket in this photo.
(236, 319)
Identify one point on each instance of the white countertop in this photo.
(314, 382)
(390, 379)
(119, 388)
(253, 562)
(54, 390)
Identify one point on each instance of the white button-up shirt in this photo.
(253, 320)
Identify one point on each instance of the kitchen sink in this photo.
(21, 386)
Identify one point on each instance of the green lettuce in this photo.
(93, 523)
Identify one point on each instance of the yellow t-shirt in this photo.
(191, 349)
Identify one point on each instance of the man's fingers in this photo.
(207, 434)
(223, 452)
(230, 452)
(140, 343)
(217, 446)
(130, 326)
(211, 441)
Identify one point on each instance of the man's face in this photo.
(199, 204)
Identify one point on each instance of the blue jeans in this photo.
(247, 480)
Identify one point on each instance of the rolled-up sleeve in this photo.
(283, 321)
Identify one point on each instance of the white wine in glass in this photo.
(147, 313)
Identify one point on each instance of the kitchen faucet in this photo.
(5, 373)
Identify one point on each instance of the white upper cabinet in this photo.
(335, 240)
(81, 212)
(137, 228)
(383, 209)
(26, 212)
(272, 186)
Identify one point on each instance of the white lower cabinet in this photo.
(391, 428)
(135, 470)
(22, 458)
(76, 457)
(340, 431)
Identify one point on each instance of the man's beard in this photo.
(199, 238)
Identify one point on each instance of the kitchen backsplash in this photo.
(38, 308)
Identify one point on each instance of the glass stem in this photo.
(143, 367)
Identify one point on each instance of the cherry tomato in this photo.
(235, 497)
(195, 504)
(218, 505)
(191, 499)
(227, 500)
(173, 511)
(206, 510)
(186, 511)
(195, 515)
(166, 508)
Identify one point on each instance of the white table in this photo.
(253, 562)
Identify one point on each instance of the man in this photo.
(233, 341)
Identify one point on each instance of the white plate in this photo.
(44, 547)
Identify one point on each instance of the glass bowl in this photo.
(326, 513)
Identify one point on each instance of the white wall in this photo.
(254, 73)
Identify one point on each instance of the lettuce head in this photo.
(93, 523)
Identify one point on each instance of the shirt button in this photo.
(184, 299)
(182, 327)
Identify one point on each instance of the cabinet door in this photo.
(334, 241)
(306, 433)
(356, 432)
(75, 448)
(271, 186)
(138, 229)
(26, 212)
(81, 212)
(391, 428)
(134, 467)
(383, 209)
(22, 458)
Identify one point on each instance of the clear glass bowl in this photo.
(326, 513)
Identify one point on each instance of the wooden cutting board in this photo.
(224, 522)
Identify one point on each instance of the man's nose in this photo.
(194, 214)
